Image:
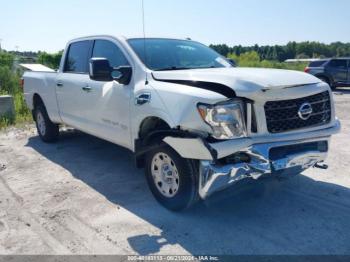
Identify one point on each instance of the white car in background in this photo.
(195, 123)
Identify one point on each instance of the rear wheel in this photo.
(47, 130)
(171, 178)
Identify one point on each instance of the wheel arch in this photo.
(37, 100)
(326, 76)
(146, 135)
(152, 132)
(150, 124)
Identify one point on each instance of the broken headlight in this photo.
(226, 119)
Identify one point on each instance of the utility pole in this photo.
(16, 59)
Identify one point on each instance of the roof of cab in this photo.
(125, 38)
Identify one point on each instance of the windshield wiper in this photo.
(173, 68)
(184, 68)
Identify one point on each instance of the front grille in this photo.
(282, 116)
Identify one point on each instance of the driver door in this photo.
(109, 105)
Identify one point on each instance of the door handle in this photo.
(87, 88)
(143, 98)
(59, 84)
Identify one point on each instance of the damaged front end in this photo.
(214, 176)
(224, 163)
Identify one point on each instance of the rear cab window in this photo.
(77, 57)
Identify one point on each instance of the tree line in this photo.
(275, 53)
(289, 51)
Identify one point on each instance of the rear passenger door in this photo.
(71, 85)
(338, 69)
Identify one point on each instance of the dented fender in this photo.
(198, 148)
(192, 148)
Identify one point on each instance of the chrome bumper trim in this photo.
(214, 177)
(304, 160)
(229, 147)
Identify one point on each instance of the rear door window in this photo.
(317, 63)
(338, 63)
(77, 57)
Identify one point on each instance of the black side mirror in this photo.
(124, 76)
(100, 70)
(232, 62)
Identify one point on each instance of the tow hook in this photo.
(321, 165)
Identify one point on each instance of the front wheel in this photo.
(326, 80)
(171, 178)
(47, 130)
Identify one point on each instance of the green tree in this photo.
(6, 59)
(9, 81)
(50, 60)
(291, 50)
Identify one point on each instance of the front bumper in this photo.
(215, 176)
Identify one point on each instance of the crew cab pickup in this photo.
(195, 123)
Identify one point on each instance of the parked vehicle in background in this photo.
(196, 123)
(333, 71)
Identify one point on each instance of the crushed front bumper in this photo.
(285, 154)
(215, 177)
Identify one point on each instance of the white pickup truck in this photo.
(196, 123)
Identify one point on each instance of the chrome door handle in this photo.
(59, 84)
(87, 88)
(142, 99)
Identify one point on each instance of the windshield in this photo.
(171, 54)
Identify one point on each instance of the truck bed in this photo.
(43, 83)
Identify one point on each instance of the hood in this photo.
(240, 80)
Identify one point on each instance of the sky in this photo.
(47, 25)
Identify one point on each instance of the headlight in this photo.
(226, 119)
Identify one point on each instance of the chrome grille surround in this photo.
(285, 115)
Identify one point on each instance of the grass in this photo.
(10, 85)
(22, 113)
(5, 122)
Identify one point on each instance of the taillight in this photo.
(21, 83)
(306, 70)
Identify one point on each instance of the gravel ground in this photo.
(83, 195)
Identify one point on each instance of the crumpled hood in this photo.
(242, 80)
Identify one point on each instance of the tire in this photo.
(326, 80)
(47, 130)
(182, 191)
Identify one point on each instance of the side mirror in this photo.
(100, 70)
(232, 62)
(124, 74)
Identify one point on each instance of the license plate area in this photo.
(276, 153)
